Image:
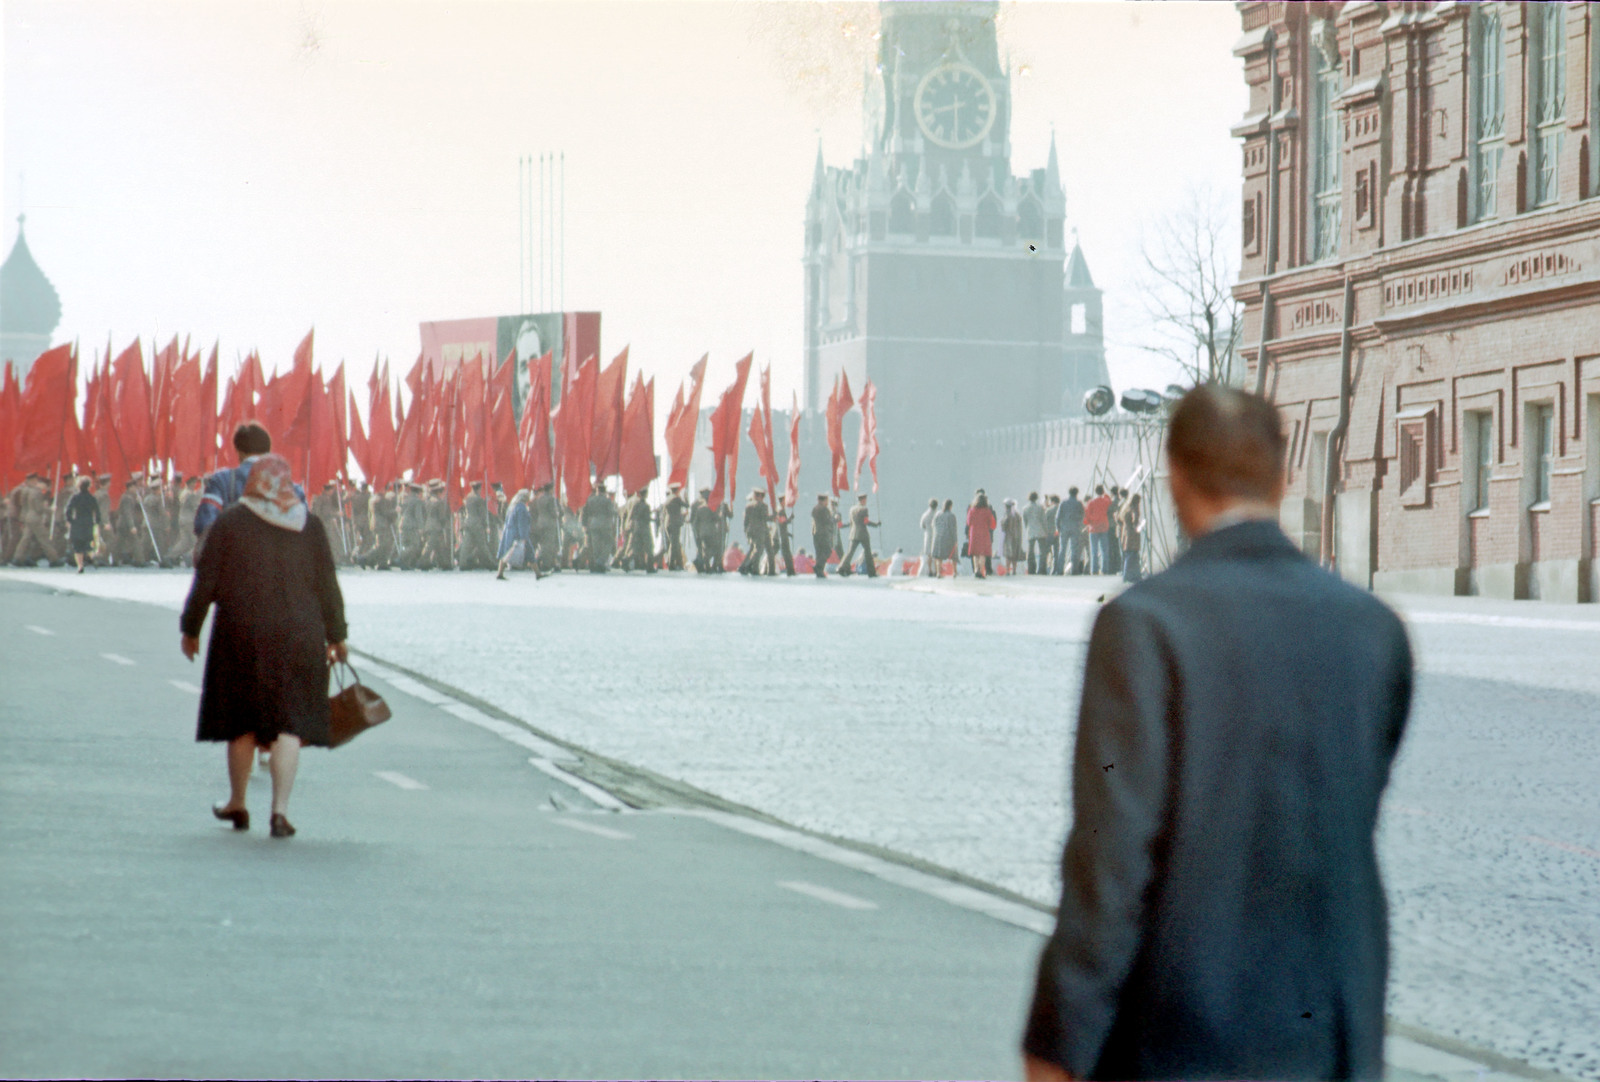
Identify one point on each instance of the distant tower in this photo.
(1083, 333)
(30, 310)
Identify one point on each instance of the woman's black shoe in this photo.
(281, 827)
(240, 818)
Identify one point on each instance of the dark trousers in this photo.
(1038, 556)
(823, 547)
(871, 561)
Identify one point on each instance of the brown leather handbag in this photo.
(353, 709)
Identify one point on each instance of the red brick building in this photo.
(1421, 281)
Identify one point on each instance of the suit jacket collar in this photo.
(1254, 539)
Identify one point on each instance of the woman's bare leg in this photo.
(285, 762)
(241, 756)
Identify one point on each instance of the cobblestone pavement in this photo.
(935, 720)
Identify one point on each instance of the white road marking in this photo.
(823, 894)
(118, 658)
(37, 630)
(591, 828)
(184, 685)
(593, 792)
(946, 890)
(1482, 619)
(394, 777)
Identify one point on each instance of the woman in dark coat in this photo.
(268, 568)
(83, 515)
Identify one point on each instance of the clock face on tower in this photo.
(955, 106)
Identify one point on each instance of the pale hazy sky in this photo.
(241, 171)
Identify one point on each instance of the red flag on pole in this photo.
(725, 434)
(360, 448)
(506, 466)
(186, 440)
(791, 489)
(10, 425)
(533, 436)
(839, 403)
(132, 412)
(163, 392)
(867, 447)
(341, 425)
(638, 456)
(46, 412)
(575, 421)
(761, 437)
(605, 435)
(681, 424)
(208, 415)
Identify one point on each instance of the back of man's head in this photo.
(1227, 443)
(1073, 492)
(251, 439)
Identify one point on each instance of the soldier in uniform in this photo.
(183, 539)
(153, 496)
(671, 517)
(859, 523)
(413, 526)
(475, 553)
(638, 552)
(437, 549)
(360, 520)
(721, 523)
(107, 536)
(545, 530)
(31, 504)
(783, 538)
(325, 505)
(701, 519)
(824, 533)
(599, 530)
(757, 534)
(383, 529)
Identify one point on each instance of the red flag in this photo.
(761, 437)
(533, 436)
(360, 449)
(341, 429)
(637, 460)
(10, 426)
(575, 420)
(725, 434)
(867, 447)
(381, 439)
(839, 403)
(185, 439)
(132, 410)
(208, 414)
(452, 428)
(47, 401)
(294, 408)
(163, 393)
(792, 482)
(681, 424)
(89, 457)
(605, 434)
(506, 464)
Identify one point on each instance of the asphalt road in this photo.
(437, 915)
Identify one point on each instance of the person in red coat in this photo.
(980, 534)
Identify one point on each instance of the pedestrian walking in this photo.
(1097, 524)
(823, 530)
(1222, 914)
(83, 517)
(980, 535)
(757, 534)
(1012, 533)
(861, 538)
(517, 537)
(672, 515)
(1130, 531)
(1033, 522)
(1069, 519)
(783, 536)
(944, 541)
(928, 561)
(268, 567)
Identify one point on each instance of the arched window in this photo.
(1030, 220)
(1548, 89)
(987, 223)
(1487, 60)
(1327, 147)
(902, 213)
(942, 222)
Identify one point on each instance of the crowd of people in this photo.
(410, 525)
(1098, 536)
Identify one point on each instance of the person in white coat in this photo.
(929, 562)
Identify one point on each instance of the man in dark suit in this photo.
(1222, 914)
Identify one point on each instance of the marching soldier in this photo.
(383, 526)
(824, 533)
(325, 505)
(672, 516)
(107, 533)
(599, 530)
(757, 534)
(413, 526)
(859, 523)
(783, 539)
(183, 539)
(475, 553)
(701, 521)
(437, 551)
(361, 519)
(546, 530)
(31, 504)
(638, 551)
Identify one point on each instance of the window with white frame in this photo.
(1544, 448)
(1488, 58)
(1548, 90)
(1479, 458)
(1326, 147)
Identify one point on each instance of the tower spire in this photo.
(1052, 169)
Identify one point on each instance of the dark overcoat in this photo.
(278, 607)
(1222, 914)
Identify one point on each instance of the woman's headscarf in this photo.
(270, 493)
